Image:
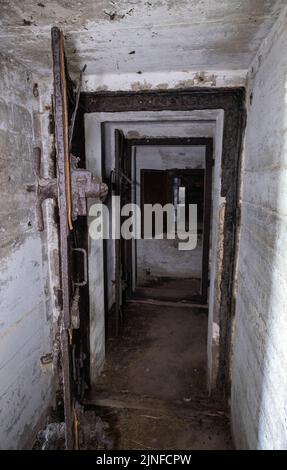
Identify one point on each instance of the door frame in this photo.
(206, 142)
(232, 102)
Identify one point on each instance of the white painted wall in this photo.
(259, 379)
(96, 262)
(26, 387)
(167, 80)
(215, 257)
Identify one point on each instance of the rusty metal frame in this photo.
(119, 149)
(71, 188)
(62, 147)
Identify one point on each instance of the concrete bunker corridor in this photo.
(111, 344)
(196, 128)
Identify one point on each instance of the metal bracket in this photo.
(84, 184)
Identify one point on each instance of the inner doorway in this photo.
(176, 171)
(164, 272)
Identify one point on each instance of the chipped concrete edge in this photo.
(164, 80)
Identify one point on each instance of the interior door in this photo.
(61, 117)
(193, 193)
(156, 188)
(123, 186)
(74, 185)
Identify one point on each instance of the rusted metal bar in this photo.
(73, 186)
(85, 184)
(62, 147)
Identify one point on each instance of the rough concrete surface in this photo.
(259, 380)
(169, 288)
(25, 320)
(142, 36)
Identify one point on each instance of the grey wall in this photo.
(162, 257)
(25, 313)
(259, 379)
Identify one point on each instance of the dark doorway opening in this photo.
(167, 278)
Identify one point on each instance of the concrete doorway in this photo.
(127, 378)
(177, 114)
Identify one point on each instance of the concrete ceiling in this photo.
(121, 36)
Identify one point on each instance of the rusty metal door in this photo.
(74, 185)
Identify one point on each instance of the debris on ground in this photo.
(93, 433)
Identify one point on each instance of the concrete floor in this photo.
(172, 289)
(152, 390)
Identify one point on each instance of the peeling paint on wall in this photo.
(163, 80)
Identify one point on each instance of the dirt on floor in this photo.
(174, 289)
(152, 391)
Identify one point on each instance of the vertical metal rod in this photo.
(61, 143)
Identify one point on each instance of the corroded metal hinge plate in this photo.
(83, 185)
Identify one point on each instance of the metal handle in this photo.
(85, 257)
